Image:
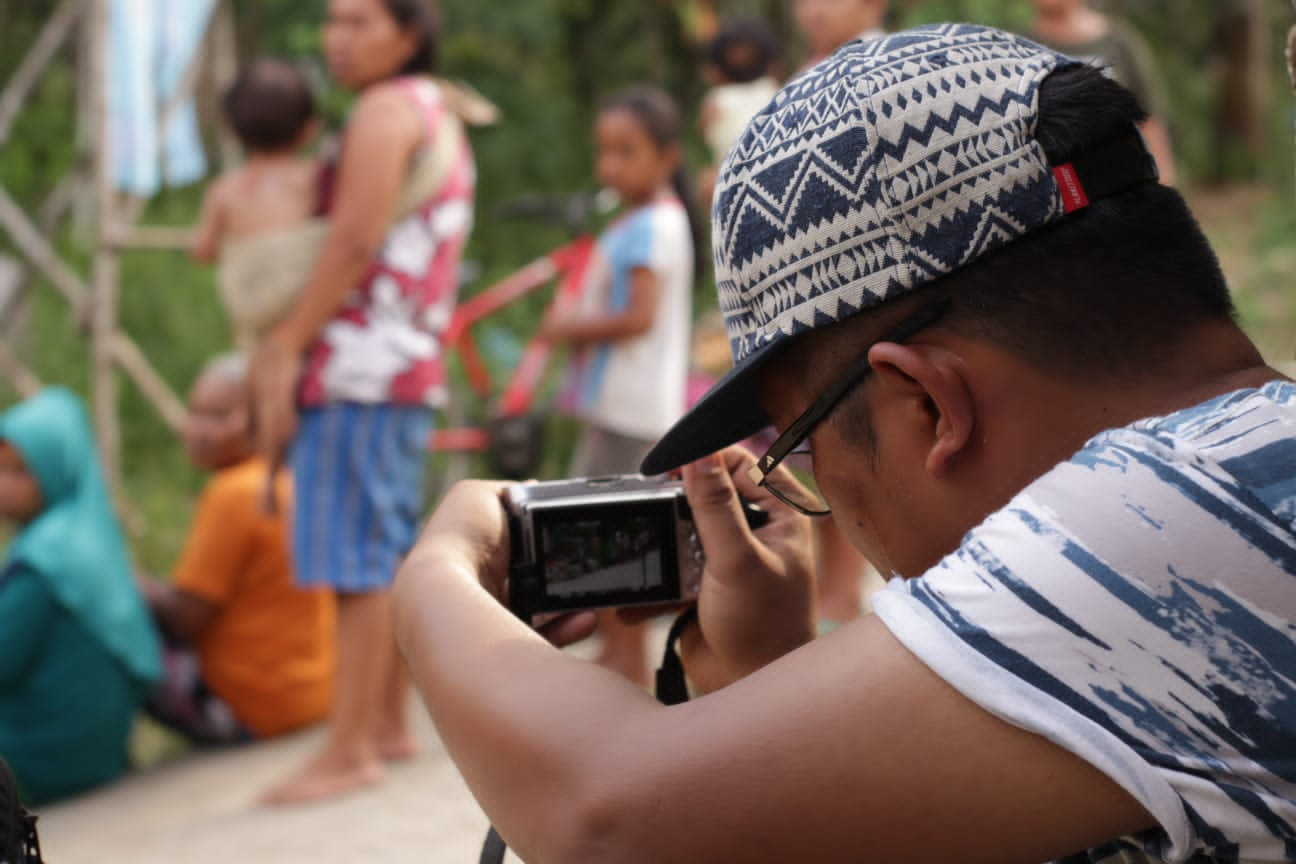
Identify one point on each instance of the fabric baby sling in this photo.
(261, 276)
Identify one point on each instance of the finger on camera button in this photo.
(717, 512)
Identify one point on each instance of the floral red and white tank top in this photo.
(383, 344)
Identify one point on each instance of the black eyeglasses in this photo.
(802, 495)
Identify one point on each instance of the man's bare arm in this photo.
(846, 749)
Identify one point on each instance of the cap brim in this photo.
(727, 413)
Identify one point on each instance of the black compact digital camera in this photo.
(593, 542)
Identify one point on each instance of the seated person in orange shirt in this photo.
(249, 654)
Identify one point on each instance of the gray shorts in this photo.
(602, 451)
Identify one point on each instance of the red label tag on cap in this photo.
(1073, 194)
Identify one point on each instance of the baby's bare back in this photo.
(266, 195)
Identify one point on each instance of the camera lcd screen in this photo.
(609, 555)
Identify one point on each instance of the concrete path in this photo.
(199, 808)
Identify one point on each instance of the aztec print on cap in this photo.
(888, 165)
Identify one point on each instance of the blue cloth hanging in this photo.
(150, 44)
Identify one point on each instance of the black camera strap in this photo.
(672, 689)
(493, 849)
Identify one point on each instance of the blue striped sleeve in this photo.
(1135, 606)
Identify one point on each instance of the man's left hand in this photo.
(468, 532)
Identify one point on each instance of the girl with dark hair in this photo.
(351, 375)
(633, 320)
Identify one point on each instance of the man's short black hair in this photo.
(1111, 289)
(269, 105)
(1107, 292)
(743, 49)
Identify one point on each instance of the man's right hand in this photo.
(757, 597)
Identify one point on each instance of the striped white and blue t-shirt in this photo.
(1137, 606)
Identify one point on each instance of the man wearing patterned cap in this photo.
(949, 274)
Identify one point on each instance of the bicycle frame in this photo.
(567, 263)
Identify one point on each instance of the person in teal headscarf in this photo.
(78, 652)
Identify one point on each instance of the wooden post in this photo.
(17, 90)
(83, 202)
(104, 269)
(50, 214)
(151, 237)
(79, 296)
(224, 68)
(22, 378)
(12, 294)
(43, 257)
(47, 43)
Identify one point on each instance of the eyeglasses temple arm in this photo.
(796, 433)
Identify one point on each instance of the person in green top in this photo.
(79, 649)
(1074, 27)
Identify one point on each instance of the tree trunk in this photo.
(1243, 43)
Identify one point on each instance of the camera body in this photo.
(586, 543)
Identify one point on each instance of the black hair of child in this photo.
(269, 105)
(743, 50)
(660, 117)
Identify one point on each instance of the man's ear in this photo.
(938, 373)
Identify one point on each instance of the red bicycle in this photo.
(509, 428)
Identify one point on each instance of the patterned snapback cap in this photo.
(883, 168)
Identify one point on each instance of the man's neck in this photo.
(1033, 420)
(1218, 358)
(1214, 359)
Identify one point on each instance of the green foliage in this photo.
(42, 144)
(1008, 14)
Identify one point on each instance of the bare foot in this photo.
(397, 747)
(325, 776)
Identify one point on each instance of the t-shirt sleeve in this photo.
(1121, 607)
(657, 238)
(640, 247)
(27, 610)
(215, 550)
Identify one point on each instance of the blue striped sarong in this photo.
(358, 475)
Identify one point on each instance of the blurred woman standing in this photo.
(353, 373)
